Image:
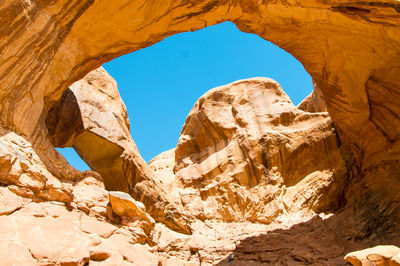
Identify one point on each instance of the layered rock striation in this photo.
(351, 49)
(44, 220)
(92, 118)
(259, 174)
(50, 45)
(246, 153)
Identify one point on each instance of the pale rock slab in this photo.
(9, 201)
(379, 255)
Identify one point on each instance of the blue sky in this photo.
(160, 84)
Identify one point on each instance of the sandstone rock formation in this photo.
(131, 212)
(92, 118)
(314, 102)
(247, 153)
(47, 221)
(350, 48)
(354, 74)
(24, 173)
(379, 255)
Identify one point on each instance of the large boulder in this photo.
(247, 153)
(92, 118)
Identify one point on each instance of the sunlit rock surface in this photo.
(247, 157)
(44, 220)
(92, 118)
(350, 48)
(246, 153)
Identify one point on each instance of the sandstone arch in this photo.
(351, 49)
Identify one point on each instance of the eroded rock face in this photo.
(22, 170)
(45, 220)
(247, 153)
(351, 49)
(56, 43)
(314, 102)
(131, 212)
(49, 233)
(92, 118)
(50, 45)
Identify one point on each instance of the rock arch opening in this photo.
(229, 139)
(173, 74)
(73, 158)
(349, 48)
(160, 84)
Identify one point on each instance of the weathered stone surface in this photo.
(90, 196)
(299, 144)
(45, 220)
(9, 201)
(130, 211)
(357, 76)
(46, 46)
(24, 172)
(314, 102)
(54, 232)
(354, 74)
(117, 250)
(379, 255)
(162, 166)
(92, 118)
(247, 153)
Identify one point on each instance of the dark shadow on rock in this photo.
(64, 120)
(315, 242)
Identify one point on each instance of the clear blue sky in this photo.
(160, 84)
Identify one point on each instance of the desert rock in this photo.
(247, 153)
(354, 74)
(25, 174)
(379, 255)
(9, 201)
(131, 211)
(314, 102)
(92, 118)
(351, 50)
(50, 232)
(48, 220)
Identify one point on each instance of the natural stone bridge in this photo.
(350, 48)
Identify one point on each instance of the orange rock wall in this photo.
(351, 49)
